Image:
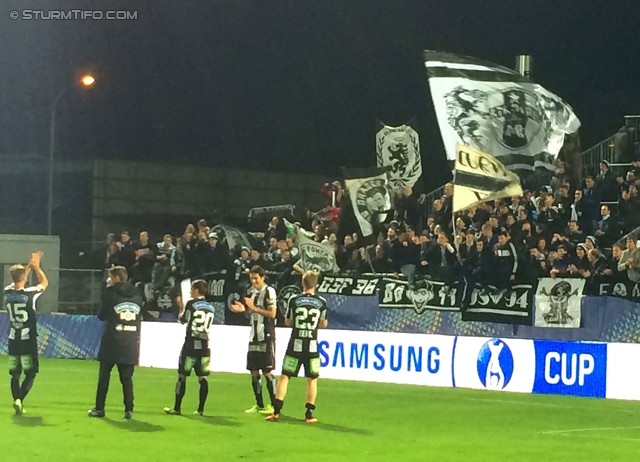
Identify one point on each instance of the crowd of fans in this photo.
(563, 230)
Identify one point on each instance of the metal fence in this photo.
(80, 290)
(604, 150)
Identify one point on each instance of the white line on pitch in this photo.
(594, 429)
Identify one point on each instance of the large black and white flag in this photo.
(479, 177)
(498, 111)
(399, 149)
(370, 196)
(316, 256)
(559, 302)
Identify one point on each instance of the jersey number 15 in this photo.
(17, 312)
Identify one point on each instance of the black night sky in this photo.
(291, 85)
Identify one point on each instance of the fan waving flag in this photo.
(399, 149)
(479, 177)
(496, 110)
(316, 256)
(370, 195)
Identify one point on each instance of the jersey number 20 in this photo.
(301, 316)
(202, 321)
(17, 312)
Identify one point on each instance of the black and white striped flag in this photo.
(498, 111)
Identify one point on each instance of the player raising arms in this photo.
(260, 305)
(306, 313)
(198, 316)
(20, 302)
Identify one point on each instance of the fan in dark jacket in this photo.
(120, 346)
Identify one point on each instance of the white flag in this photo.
(316, 256)
(496, 110)
(559, 302)
(479, 177)
(399, 149)
(370, 198)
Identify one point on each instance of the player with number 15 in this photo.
(20, 302)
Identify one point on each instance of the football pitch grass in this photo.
(357, 421)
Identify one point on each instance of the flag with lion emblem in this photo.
(399, 149)
(496, 110)
(559, 302)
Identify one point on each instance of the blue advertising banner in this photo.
(571, 368)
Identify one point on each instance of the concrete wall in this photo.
(15, 248)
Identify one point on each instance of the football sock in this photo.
(256, 384)
(271, 387)
(181, 388)
(204, 392)
(310, 408)
(277, 406)
(27, 383)
(15, 387)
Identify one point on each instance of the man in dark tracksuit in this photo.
(507, 259)
(120, 345)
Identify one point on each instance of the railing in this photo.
(432, 196)
(80, 290)
(596, 154)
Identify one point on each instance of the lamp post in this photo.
(87, 81)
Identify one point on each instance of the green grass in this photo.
(358, 421)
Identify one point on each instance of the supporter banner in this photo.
(219, 288)
(496, 110)
(275, 209)
(399, 149)
(479, 177)
(347, 285)
(370, 198)
(513, 305)
(423, 295)
(559, 302)
(615, 288)
(316, 256)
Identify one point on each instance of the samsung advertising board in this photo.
(513, 365)
(345, 355)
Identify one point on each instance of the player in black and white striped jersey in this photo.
(260, 306)
(20, 302)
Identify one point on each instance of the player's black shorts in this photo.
(199, 362)
(261, 357)
(23, 356)
(293, 362)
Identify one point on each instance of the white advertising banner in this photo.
(345, 355)
(494, 364)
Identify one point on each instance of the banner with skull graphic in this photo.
(399, 149)
(559, 303)
(370, 198)
(498, 111)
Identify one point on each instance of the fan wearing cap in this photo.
(214, 261)
(580, 266)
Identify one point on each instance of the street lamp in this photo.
(86, 81)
